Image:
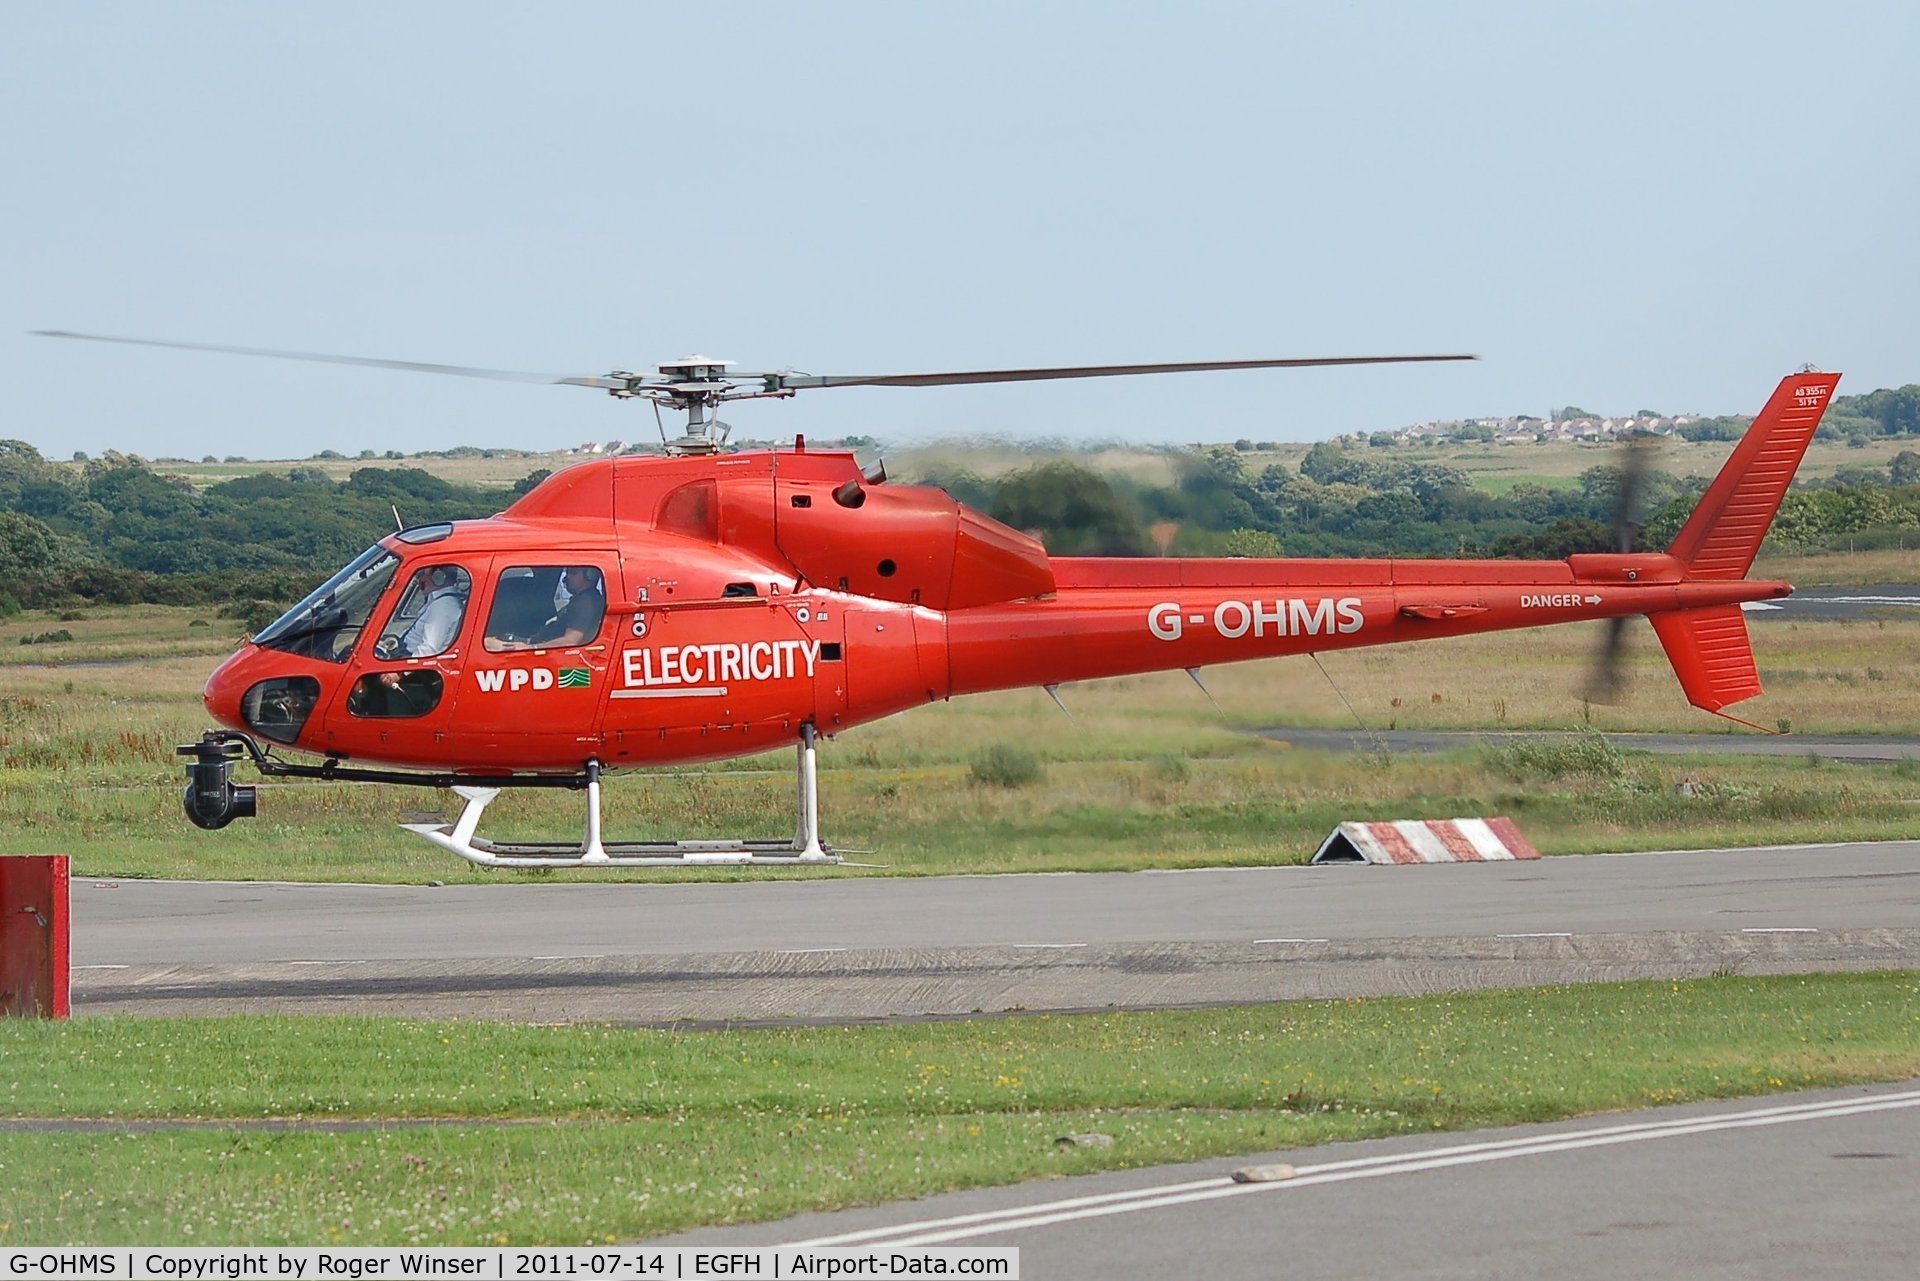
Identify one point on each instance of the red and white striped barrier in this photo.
(1433, 840)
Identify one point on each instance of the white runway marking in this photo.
(1779, 929)
(348, 962)
(1289, 940)
(1046, 945)
(1756, 849)
(958, 1227)
(809, 951)
(579, 956)
(1556, 934)
(101, 967)
(1864, 600)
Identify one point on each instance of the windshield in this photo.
(326, 624)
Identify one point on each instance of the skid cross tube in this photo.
(479, 790)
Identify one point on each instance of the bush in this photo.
(1170, 768)
(1005, 766)
(1588, 754)
(47, 638)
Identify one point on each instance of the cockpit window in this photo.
(546, 607)
(327, 624)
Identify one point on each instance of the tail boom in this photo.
(1192, 617)
(1111, 617)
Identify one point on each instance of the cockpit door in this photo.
(530, 696)
(399, 695)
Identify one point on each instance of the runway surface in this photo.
(871, 948)
(1885, 600)
(1821, 1183)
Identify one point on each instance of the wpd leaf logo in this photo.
(576, 677)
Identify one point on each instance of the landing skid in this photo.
(806, 848)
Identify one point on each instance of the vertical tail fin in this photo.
(1709, 647)
(1723, 535)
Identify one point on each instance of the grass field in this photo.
(1843, 569)
(1498, 467)
(1149, 773)
(589, 1134)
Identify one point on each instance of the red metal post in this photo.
(35, 936)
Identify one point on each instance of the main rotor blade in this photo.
(781, 381)
(788, 381)
(410, 366)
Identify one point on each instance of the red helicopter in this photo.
(639, 611)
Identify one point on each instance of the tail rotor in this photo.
(1607, 682)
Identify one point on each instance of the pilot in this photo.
(578, 620)
(439, 618)
(394, 693)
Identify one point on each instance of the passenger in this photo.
(578, 620)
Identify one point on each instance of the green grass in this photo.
(1264, 805)
(118, 634)
(630, 1132)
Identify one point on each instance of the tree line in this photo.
(1342, 502)
(115, 530)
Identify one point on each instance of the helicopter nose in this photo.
(225, 687)
(258, 692)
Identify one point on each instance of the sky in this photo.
(1622, 206)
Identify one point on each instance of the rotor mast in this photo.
(695, 385)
